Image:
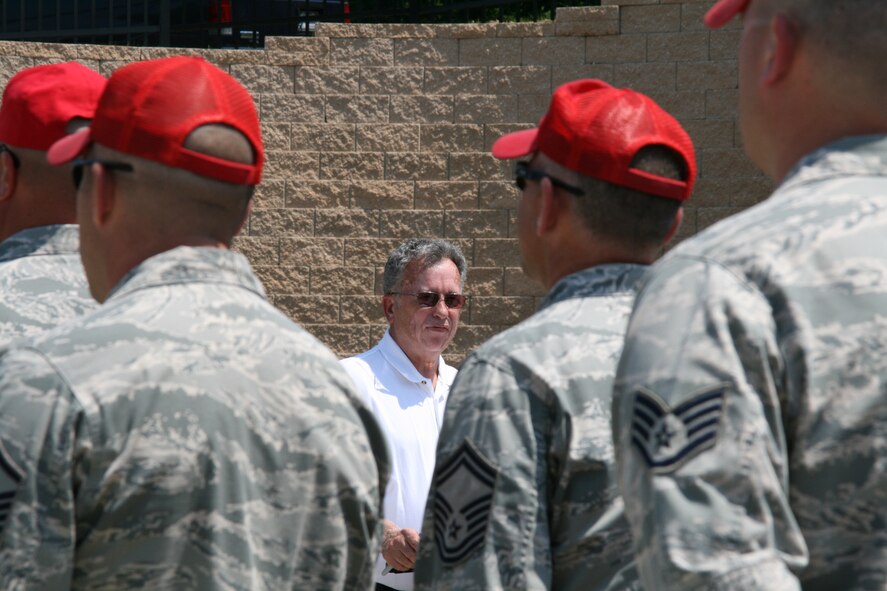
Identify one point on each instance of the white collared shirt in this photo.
(410, 411)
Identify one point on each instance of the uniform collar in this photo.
(187, 264)
(600, 280)
(42, 240)
(394, 355)
(864, 155)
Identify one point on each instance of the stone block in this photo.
(496, 252)
(707, 75)
(387, 80)
(520, 79)
(531, 107)
(501, 310)
(396, 137)
(259, 250)
(352, 165)
(306, 309)
(477, 166)
(612, 49)
(321, 194)
(538, 29)
(342, 280)
(281, 280)
(553, 50)
(362, 309)
(326, 137)
(450, 138)
(489, 223)
(711, 134)
(457, 80)
(264, 79)
(725, 164)
(345, 340)
(291, 107)
(363, 252)
(484, 281)
(346, 222)
(312, 250)
(269, 195)
(382, 194)
(357, 109)
(413, 166)
(327, 80)
(677, 47)
(421, 109)
(722, 103)
(498, 195)
(493, 132)
(486, 108)
(691, 16)
(411, 224)
(365, 52)
(517, 283)
(724, 44)
(708, 216)
(446, 195)
(684, 105)
(291, 165)
(490, 52)
(281, 222)
(426, 52)
(276, 136)
(650, 19)
(563, 74)
(648, 77)
(466, 31)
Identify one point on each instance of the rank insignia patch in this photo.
(667, 438)
(462, 503)
(10, 477)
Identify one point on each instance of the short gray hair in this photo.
(429, 252)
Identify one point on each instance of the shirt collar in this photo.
(859, 155)
(42, 240)
(398, 359)
(187, 264)
(600, 280)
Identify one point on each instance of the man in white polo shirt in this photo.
(405, 382)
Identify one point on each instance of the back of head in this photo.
(633, 161)
(428, 252)
(192, 135)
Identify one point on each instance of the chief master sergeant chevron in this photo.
(523, 494)
(41, 278)
(185, 435)
(750, 408)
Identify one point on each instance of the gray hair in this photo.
(429, 252)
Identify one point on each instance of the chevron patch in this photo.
(462, 503)
(669, 437)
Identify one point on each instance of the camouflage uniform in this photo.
(41, 281)
(186, 435)
(750, 413)
(524, 495)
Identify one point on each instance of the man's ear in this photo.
(388, 307)
(550, 206)
(246, 211)
(8, 176)
(675, 225)
(782, 46)
(103, 194)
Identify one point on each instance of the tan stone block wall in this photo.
(376, 133)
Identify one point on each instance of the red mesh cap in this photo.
(596, 130)
(149, 108)
(723, 11)
(39, 102)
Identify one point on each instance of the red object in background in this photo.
(347, 10)
(219, 11)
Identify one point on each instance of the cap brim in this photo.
(69, 147)
(723, 11)
(515, 145)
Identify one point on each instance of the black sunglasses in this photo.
(15, 161)
(522, 174)
(429, 299)
(77, 168)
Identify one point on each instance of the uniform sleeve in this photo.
(698, 429)
(486, 524)
(39, 436)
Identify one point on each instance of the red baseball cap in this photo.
(149, 108)
(596, 130)
(39, 102)
(723, 11)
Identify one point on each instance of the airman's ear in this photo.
(675, 225)
(102, 193)
(782, 46)
(388, 308)
(8, 176)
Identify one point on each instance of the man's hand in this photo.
(399, 546)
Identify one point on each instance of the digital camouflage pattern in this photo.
(186, 435)
(41, 281)
(524, 492)
(772, 327)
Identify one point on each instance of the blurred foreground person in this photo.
(186, 435)
(524, 493)
(750, 406)
(41, 278)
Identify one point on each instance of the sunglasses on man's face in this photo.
(523, 173)
(429, 299)
(77, 168)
